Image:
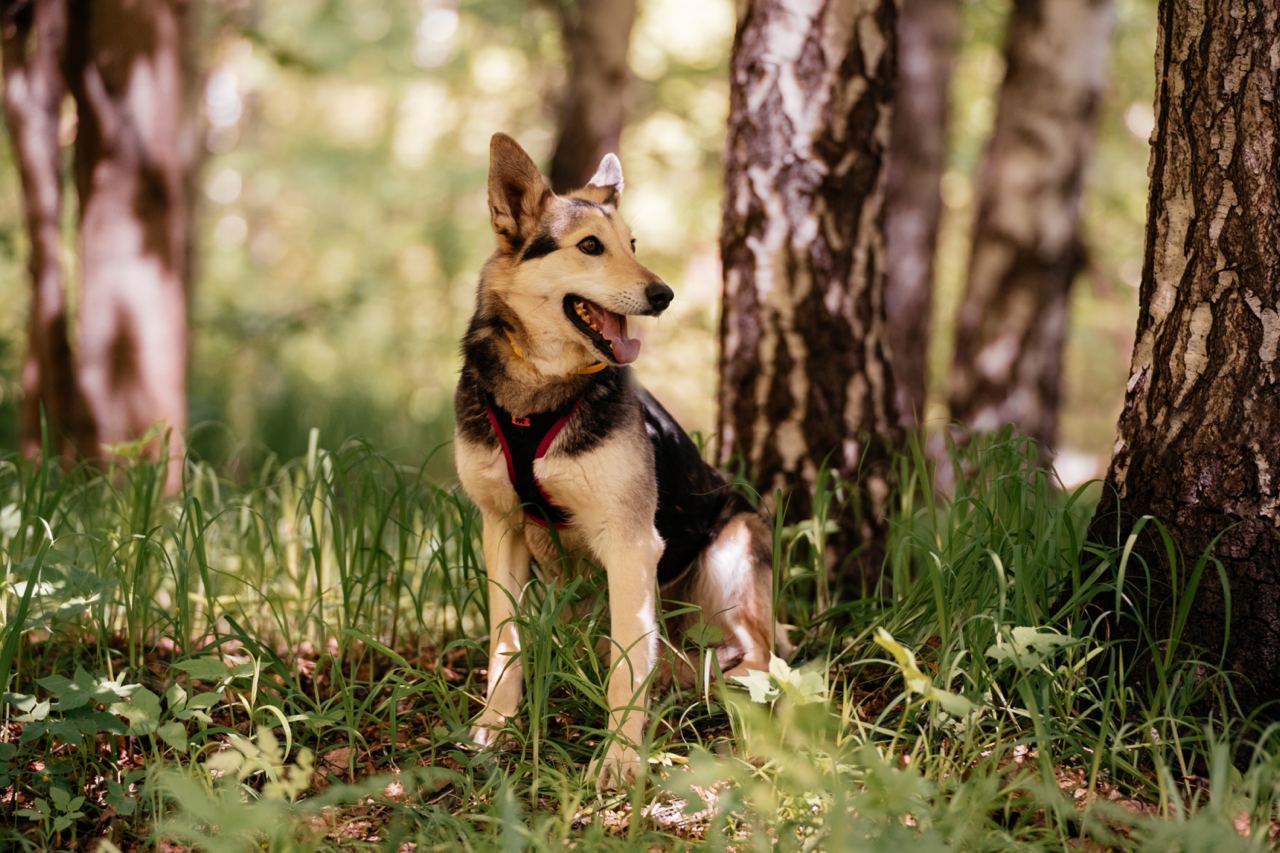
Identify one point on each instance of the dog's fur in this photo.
(631, 481)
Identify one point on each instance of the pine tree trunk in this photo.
(1199, 436)
(126, 72)
(34, 36)
(927, 33)
(805, 381)
(1011, 326)
(597, 38)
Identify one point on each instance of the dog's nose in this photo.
(659, 296)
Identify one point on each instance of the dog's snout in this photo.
(659, 296)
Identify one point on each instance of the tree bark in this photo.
(597, 39)
(805, 381)
(34, 36)
(1199, 436)
(1011, 326)
(927, 34)
(126, 72)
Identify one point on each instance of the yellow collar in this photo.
(589, 369)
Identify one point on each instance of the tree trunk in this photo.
(1199, 436)
(597, 38)
(805, 381)
(125, 69)
(1027, 250)
(927, 33)
(34, 36)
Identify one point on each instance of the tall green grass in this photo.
(293, 659)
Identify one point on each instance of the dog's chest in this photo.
(607, 482)
(486, 476)
(483, 474)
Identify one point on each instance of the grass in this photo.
(292, 661)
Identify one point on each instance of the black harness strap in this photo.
(523, 440)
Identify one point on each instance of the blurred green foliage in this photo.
(342, 217)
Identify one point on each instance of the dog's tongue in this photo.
(614, 328)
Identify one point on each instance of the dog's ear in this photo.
(517, 191)
(606, 184)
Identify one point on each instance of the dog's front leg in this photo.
(506, 557)
(632, 568)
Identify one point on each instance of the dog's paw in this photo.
(490, 732)
(485, 736)
(620, 766)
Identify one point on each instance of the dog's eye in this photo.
(591, 246)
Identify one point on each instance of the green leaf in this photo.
(21, 702)
(58, 685)
(10, 521)
(100, 722)
(141, 709)
(174, 734)
(34, 731)
(66, 730)
(204, 669)
(77, 693)
(37, 713)
(705, 635)
(918, 682)
(203, 701)
(175, 697)
(195, 707)
(801, 687)
(119, 798)
(1027, 647)
(759, 686)
(61, 799)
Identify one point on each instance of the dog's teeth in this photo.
(580, 308)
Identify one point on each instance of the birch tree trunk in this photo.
(1011, 326)
(927, 33)
(1199, 436)
(805, 380)
(597, 39)
(126, 72)
(34, 37)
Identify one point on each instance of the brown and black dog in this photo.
(554, 432)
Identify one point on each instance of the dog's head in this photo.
(566, 266)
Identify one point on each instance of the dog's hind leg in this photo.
(733, 584)
(506, 557)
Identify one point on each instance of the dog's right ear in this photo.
(517, 192)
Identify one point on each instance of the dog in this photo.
(565, 454)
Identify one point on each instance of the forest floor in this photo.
(292, 660)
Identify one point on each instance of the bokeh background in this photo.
(342, 217)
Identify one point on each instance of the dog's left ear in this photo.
(606, 184)
(517, 192)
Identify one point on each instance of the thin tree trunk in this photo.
(927, 34)
(1199, 436)
(125, 62)
(805, 381)
(597, 38)
(34, 35)
(1027, 250)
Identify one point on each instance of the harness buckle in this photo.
(520, 422)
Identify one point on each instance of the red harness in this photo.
(523, 441)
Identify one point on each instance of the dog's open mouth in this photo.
(606, 330)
